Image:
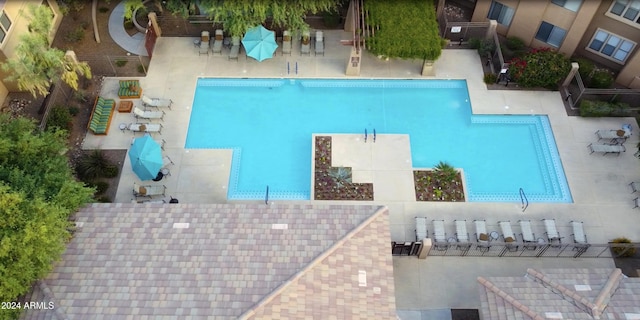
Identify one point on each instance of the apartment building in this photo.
(13, 23)
(605, 31)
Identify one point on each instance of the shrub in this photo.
(586, 67)
(515, 43)
(128, 24)
(101, 187)
(623, 252)
(104, 199)
(341, 176)
(75, 35)
(93, 165)
(446, 171)
(103, 9)
(141, 68)
(594, 108)
(121, 63)
(484, 46)
(111, 172)
(601, 78)
(540, 68)
(73, 111)
(490, 78)
(60, 118)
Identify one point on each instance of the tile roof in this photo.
(560, 294)
(225, 261)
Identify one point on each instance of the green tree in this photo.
(403, 29)
(240, 15)
(38, 193)
(36, 65)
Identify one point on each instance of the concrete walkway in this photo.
(133, 44)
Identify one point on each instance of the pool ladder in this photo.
(524, 200)
(366, 135)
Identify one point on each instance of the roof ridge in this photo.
(509, 299)
(603, 298)
(58, 311)
(273, 294)
(564, 292)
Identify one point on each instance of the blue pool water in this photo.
(269, 123)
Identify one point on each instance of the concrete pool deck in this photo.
(598, 184)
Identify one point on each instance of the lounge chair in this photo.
(635, 186)
(156, 102)
(439, 236)
(319, 49)
(305, 46)
(139, 113)
(527, 234)
(204, 43)
(579, 237)
(166, 161)
(145, 127)
(508, 235)
(235, 48)
(286, 42)
(552, 232)
(217, 42)
(606, 148)
(615, 136)
(636, 202)
(148, 190)
(482, 236)
(421, 228)
(461, 231)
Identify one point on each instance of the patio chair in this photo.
(579, 237)
(439, 236)
(461, 231)
(156, 102)
(606, 148)
(636, 202)
(482, 236)
(286, 42)
(148, 190)
(508, 235)
(217, 42)
(204, 43)
(139, 113)
(319, 49)
(527, 234)
(635, 186)
(235, 48)
(553, 237)
(305, 46)
(614, 136)
(145, 127)
(166, 161)
(421, 228)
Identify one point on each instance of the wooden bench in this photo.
(101, 116)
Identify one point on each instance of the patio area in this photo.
(598, 184)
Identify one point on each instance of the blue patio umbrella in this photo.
(259, 43)
(146, 158)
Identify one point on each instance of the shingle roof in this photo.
(560, 294)
(226, 261)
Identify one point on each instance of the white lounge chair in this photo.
(613, 135)
(319, 48)
(527, 233)
(305, 48)
(578, 232)
(156, 102)
(552, 232)
(636, 202)
(421, 228)
(139, 113)
(286, 42)
(204, 43)
(217, 42)
(461, 231)
(482, 236)
(439, 236)
(606, 148)
(235, 48)
(508, 235)
(148, 190)
(635, 186)
(145, 127)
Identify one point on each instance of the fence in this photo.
(60, 95)
(576, 91)
(528, 250)
(116, 66)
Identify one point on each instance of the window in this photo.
(5, 23)
(612, 46)
(550, 34)
(629, 10)
(572, 5)
(500, 13)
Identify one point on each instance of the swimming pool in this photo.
(269, 123)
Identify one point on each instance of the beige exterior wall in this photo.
(629, 76)
(581, 22)
(19, 25)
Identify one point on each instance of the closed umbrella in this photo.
(146, 158)
(260, 43)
